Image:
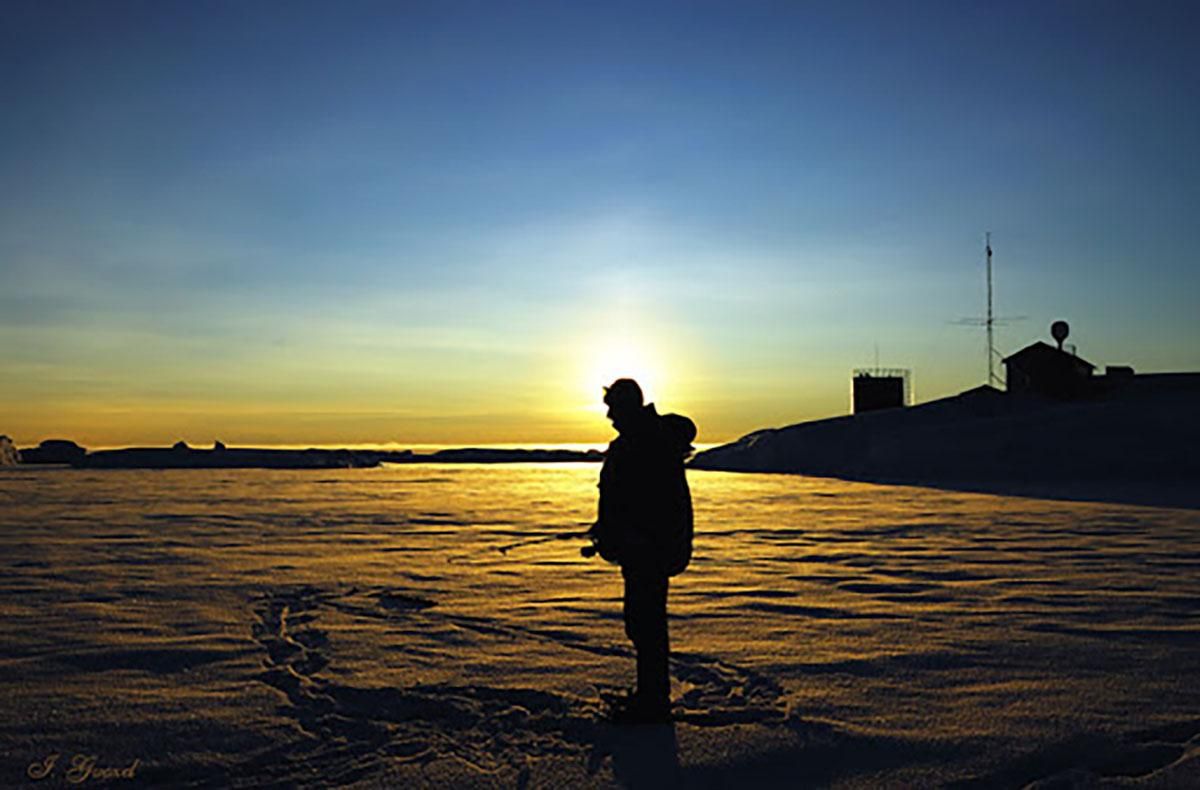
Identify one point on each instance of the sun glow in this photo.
(610, 359)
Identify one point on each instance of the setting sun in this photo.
(611, 359)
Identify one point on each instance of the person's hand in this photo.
(600, 545)
(593, 535)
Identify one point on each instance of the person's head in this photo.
(624, 400)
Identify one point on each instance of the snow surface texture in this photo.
(361, 627)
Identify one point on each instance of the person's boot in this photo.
(642, 710)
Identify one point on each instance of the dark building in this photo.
(879, 389)
(1042, 369)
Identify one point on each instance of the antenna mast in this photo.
(991, 321)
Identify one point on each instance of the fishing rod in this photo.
(520, 544)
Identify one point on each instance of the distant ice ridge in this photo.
(221, 457)
(1136, 445)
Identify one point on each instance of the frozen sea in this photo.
(361, 628)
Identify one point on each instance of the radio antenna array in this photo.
(990, 321)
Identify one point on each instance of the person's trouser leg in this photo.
(646, 627)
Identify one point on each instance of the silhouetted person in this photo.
(645, 525)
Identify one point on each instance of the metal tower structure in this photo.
(990, 321)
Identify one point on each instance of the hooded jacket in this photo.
(645, 519)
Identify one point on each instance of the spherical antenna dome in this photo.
(1059, 331)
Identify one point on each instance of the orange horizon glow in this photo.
(106, 428)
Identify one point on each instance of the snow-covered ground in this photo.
(261, 628)
(1134, 445)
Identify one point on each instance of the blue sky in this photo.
(435, 222)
